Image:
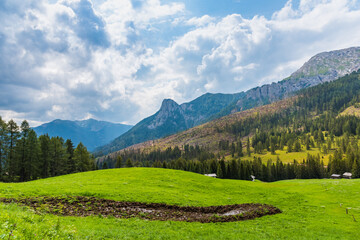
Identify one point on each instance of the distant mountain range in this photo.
(91, 133)
(173, 118)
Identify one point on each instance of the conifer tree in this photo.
(45, 155)
(4, 147)
(13, 135)
(355, 170)
(82, 158)
(248, 151)
(118, 162)
(71, 164)
(129, 163)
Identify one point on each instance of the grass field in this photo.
(286, 157)
(312, 209)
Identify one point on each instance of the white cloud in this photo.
(74, 60)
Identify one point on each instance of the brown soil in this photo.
(91, 206)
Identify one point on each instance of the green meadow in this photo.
(312, 209)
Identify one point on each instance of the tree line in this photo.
(312, 122)
(24, 156)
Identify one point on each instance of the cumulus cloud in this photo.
(116, 60)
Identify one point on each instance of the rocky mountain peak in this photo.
(169, 105)
(323, 67)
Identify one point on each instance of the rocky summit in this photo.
(323, 67)
(173, 118)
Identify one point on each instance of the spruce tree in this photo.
(356, 170)
(13, 135)
(32, 163)
(4, 147)
(219, 171)
(45, 155)
(129, 163)
(118, 162)
(82, 158)
(71, 164)
(248, 151)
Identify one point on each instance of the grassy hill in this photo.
(312, 209)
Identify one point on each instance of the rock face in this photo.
(323, 67)
(173, 118)
(170, 119)
(91, 133)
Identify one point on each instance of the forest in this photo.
(24, 156)
(314, 121)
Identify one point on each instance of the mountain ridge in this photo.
(322, 67)
(92, 133)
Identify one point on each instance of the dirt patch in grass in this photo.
(91, 206)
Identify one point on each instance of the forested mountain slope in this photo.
(173, 118)
(170, 119)
(302, 135)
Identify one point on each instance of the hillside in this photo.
(300, 137)
(208, 134)
(170, 119)
(323, 67)
(173, 118)
(311, 209)
(91, 133)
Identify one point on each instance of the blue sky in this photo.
(117, 60)
(247, 8)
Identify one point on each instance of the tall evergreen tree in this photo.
(4, 147)
(58, 156)
(20, 162)
(82, 158)
(32, 162)
(119, 162)
(356, 170)
(13, 135)
(248, 151)
(71, 164)
(45, 156)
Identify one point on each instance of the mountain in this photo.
(91, 133)
(170, 119)
(323, 67)
(173, 118)
(331, 107)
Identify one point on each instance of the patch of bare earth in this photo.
(91, 206)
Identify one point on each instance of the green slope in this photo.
(312, 209)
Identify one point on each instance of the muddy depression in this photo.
(91, 206)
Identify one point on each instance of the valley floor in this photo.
(311, 209)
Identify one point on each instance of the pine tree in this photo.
(13, 135)
(71, 164)
(45, 155)
(272, 148)
(129, 163)
(105, 165)
(356, 170)
(82, 158)
(58, 157)
(240, 149)
(21, 158)
(118, 162)
(248, 151)
(32, 166)
(297, 147)
(4, 147)
(219, 171)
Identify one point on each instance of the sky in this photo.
(117, 60)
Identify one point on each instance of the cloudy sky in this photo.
(116, 60)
